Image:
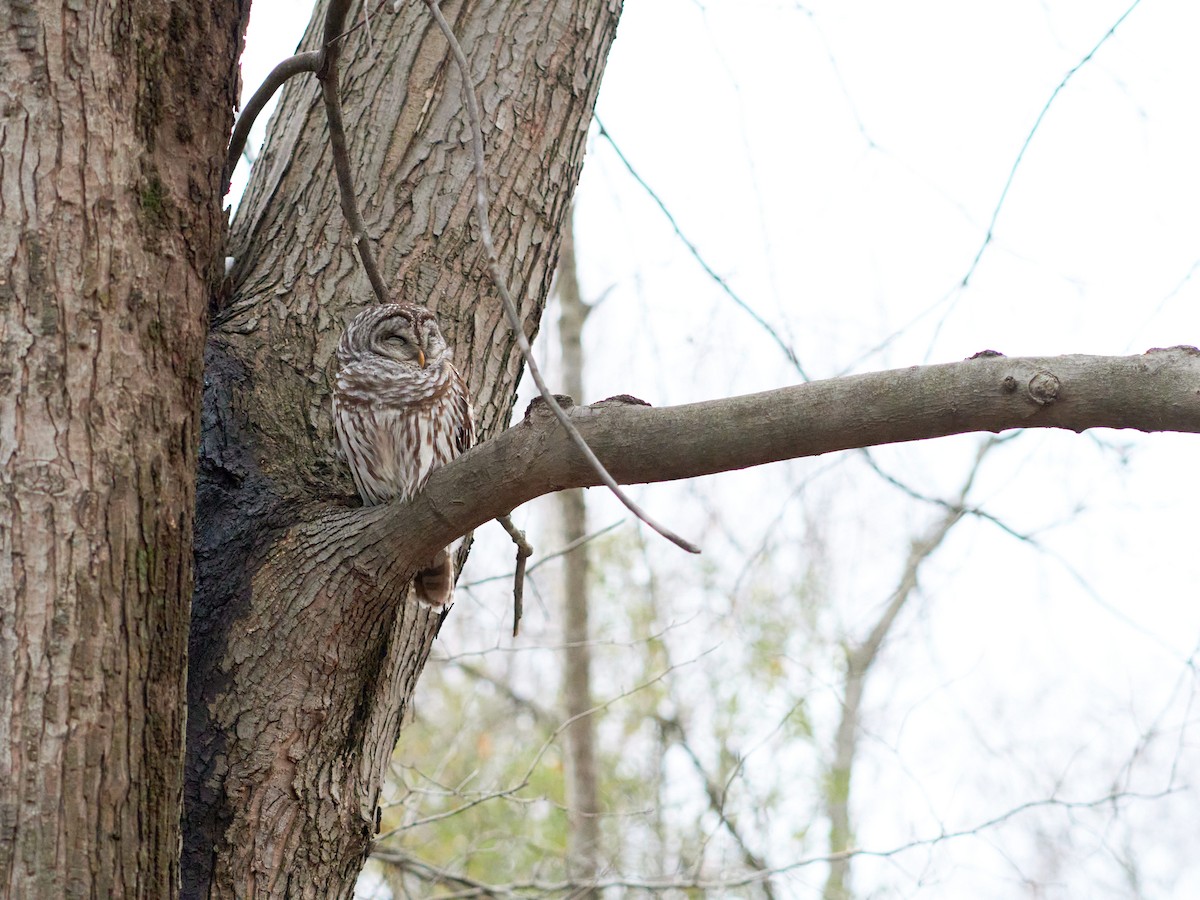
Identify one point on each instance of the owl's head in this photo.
(401, 333)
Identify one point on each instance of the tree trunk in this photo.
(305, 649)
(111, 141)
(860, 659)
(583, 802)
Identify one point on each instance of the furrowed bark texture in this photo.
(114, 117)
(305, 648)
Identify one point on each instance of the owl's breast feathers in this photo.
(397, 431)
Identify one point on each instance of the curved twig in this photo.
(309, 61)
(327, 74)
(514, 318)
(990, 233)
(323, 63)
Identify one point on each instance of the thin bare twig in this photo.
(540, 753)
(692, 249)
(974, 511)
(540, 713)
(988, 235)
(309, 61)
(950, 299)
(562, 551)
(474, 888)
(956, 294)
(327, 73)
(716, 794)
(524, 551)
(510, 308)
(860, 658)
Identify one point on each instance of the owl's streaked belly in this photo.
(394, 451)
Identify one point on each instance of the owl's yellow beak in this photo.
(421, 358)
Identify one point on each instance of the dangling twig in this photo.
(524, 551)
(323, 63)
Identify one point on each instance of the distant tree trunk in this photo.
(583, 802)
(304, 649)
(111, 142)
(860, 659)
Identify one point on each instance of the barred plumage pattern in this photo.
(401, 410)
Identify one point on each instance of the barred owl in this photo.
(401, 410)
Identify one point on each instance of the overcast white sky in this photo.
(839, 164)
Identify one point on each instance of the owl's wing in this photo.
(464, 433)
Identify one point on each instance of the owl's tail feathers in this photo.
(435, 585)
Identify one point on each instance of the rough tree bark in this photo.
(304, 649)
(583, 801)
(111, 141)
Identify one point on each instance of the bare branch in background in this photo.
(583, 795)
(673, 731)
(991, 226)
(537, 757)
(695, 252)
(539, 712)
(950, 298)
(549, 557)
(859, 660)
(475, 888)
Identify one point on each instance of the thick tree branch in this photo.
(1157, 391)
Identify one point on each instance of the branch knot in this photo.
(1044, 388)
(539, 408)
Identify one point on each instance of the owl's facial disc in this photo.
(400, 343)
(434, 344)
